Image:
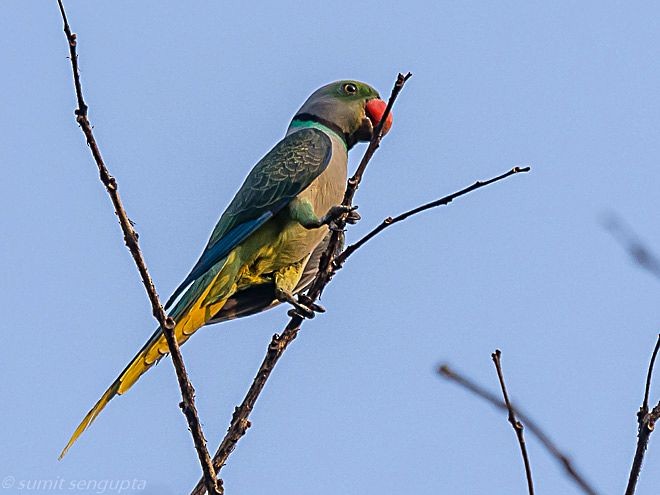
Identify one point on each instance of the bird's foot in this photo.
(335, 212)
(303, 307)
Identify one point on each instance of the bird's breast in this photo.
(326, 191)
(282, 241)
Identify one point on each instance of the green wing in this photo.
(287, 169)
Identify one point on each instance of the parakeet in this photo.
(266, 246)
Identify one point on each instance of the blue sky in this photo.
(185, 98)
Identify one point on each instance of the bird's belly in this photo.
(276, 249)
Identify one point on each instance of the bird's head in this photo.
(350, 108)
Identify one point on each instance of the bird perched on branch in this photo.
(265, 248)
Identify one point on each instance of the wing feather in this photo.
(288, 169)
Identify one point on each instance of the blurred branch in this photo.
(646, 420)
(629, 240)
(239, 422)
(448, 373)
(517, 425)
(131, 239)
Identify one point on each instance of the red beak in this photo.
(375, 109)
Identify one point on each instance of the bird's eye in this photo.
(350, 88)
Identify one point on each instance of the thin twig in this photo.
(240, 423)
(517, 425)
(646, 421)
(131, 239)
(446, 372)
(647, 390)
(389, 221)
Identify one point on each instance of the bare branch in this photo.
(240, 423)
(517, 425)
(131, 239)
(389, 221)
(446, 372)
(646, 421)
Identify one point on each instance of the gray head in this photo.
(350, 108)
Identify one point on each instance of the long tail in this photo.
(138, 366)
(194, 314)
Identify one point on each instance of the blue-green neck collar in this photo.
(308, 120)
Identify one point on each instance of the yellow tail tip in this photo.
(91, 416)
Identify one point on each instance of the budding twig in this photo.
(518, 427)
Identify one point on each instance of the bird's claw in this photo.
(337, 211)
(353, 217)
(302, 312)
(303, 307)
(307, 302)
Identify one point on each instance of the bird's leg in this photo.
(286, 280)
(303, 212)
